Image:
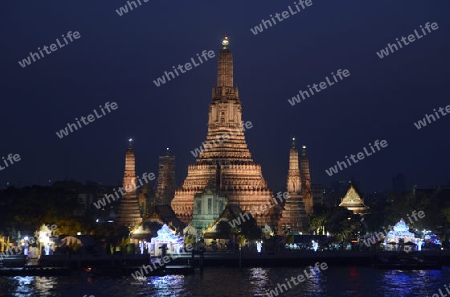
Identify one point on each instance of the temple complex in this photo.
(225, 156)
(166, 183)
(293, 219)
(128, 213)
(352, 201)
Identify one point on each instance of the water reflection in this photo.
(315, 285)
(44, 285)
(169, 285)
(225, 282)
(26, 286)
(259, 280)
(410, 283)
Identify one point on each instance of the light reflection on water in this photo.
(25, 286)
(333, 282)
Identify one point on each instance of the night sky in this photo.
(117, 58)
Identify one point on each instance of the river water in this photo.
(231, 282)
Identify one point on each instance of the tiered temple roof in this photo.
(352, 201)
(225, 155)
(293, 218)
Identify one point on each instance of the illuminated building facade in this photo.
(400, 235)
(229, 160)
(352, 201)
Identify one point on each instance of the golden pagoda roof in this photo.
(352, 201)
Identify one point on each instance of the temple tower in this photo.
(306, 182)
(128, 212)
(225, 155)
(166, 184)
(293, 218)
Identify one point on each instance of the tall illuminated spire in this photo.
(306, 182)
(225, 70)
(225, 162)
(294, 184)
(128, 213)
(293, 217)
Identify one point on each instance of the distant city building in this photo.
(318, 193)
(225, 155)
(128, 212)
(293, 218)
(85, 200)
(438, 193)
(166, 183)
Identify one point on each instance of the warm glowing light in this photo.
(225, 41)
(304, 146)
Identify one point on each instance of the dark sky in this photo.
(118, 57)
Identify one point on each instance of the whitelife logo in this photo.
(285, 14)
(10, 158)
(90, 118)
(423, 123)
(262, 208)
(122, 10)
(221, 138)
(53, 48)
(162, 80)
(139, 274)
(360, 155)
(411, 38)
(300, 278)
(341, 74)
(147, 177)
